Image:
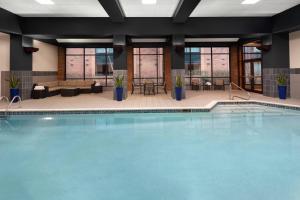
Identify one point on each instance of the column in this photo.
(275, 61)
(177, 62)
(21, 63)
(120, 62)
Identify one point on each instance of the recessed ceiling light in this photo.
(45, 2)
(250, 1)
(148, 2)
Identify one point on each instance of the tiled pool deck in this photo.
(195, 100)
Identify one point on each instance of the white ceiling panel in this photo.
(234, 8)
(162, 8)
(60, 8)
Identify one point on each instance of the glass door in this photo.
(257, 77)
(253, 76)
(247, 76)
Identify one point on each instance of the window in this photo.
(207, 64)
(148, 65)
(251, 53)
(74, 63)
(90, 63)
(220, 62)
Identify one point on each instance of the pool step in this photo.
(245, 109)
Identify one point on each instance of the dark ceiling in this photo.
(179, 24)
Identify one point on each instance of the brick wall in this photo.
(61, 70)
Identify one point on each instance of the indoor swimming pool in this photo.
(231, 153)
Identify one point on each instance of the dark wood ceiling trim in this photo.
(145, 27)
(114, 9)
(9, 22)
(287, 21)
(184, 10)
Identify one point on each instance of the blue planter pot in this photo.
(178, 93)
(14, 92)
(119, 92)
(282, 91)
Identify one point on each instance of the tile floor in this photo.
(103, 101)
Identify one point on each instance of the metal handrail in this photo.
(4, 97)
(12, 101)
(232, 97)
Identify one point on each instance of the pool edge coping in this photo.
(209, 107)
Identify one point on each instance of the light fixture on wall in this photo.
(148, 2)
(249, 2)
(30, 49)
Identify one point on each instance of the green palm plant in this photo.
(13, 81)
(119, 81)
(281, 79)
(178, 81)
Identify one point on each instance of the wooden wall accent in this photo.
(61, 70)
(167, 60)
(130, 67)
(234, 64)
(241, 67)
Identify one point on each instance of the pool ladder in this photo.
(12, 101)
(231, 97)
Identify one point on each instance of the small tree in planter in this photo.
(282, 85)
(119, 87)
(178, 88)
(14, 87)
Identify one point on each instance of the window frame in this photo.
(157, 54)
(211, 77)
(107, 53)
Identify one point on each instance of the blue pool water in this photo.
(232, 153)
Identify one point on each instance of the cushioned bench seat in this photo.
(53, 88)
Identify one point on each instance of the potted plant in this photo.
(178, 88)
(13, 85)
(119, 87)
(282, 85)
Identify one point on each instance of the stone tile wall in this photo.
(27, 79)
(25, 83)
(270, 87)
(295, 83)
(4, 83)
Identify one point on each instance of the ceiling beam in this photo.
(184, 10)
(145, 27)
(287, 21)
(9, 22)
(114, 9)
